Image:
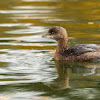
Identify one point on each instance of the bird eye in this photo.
(53, 32)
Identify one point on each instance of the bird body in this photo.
(81, 52)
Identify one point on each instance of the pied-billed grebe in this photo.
(81, 52)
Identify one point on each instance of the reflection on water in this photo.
(62, 81)
(68, 72)
(76, 80)
(27, 68)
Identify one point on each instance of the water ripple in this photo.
(34, 7)
(27, 17)
(15, 24)
(24, 11)
(30, 30)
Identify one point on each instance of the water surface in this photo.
(27, 68)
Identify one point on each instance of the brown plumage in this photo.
(81, 52)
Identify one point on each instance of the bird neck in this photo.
(61, 48)
(62, 45)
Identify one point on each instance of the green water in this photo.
(27, 68)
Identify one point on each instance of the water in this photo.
(27, 68)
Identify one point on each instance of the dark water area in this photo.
(27, 68)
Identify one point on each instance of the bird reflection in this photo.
(68, 70)
(62, 80)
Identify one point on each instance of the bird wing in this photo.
(83, 48)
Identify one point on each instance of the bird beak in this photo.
(45, 35)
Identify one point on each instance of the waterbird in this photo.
(80, 52)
